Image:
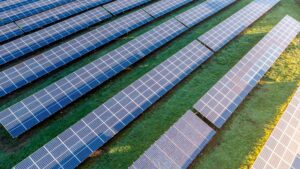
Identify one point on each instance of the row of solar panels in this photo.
(32, 69)
(75, 144)
(30, 43)
(33, 22)
(189, 135)
(53, 98)
(282, 149)
(29, 9)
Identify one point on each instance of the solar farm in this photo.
(145, 84)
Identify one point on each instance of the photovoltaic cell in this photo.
(36, 40)
(9, 31)
(223, 98)
(8, 5)
(41, 105)
(165, 6)
(221, 34)
(198, 13)
(29, 9)
(120, 6)
(75, 144)
(53, 15)
(282, 149)
(179, 146)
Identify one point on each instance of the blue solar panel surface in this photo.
(179, 146)
(8, 5)
(29, 43)
(9, 31)
(53, 15)
(29, 9)
(75, 144)
(48, 61)
(120, 6)
(223, 98)
(228, 29)
(165, 6)
(36, 40)
(85, 79)
(196, 14)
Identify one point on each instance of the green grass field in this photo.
(235, 145)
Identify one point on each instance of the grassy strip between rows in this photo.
(234, 146)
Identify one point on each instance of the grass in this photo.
(235, 145)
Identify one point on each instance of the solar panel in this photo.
(221, 34)
(29, 9)
(198, 13)
(9, 31)
(120, 6)
(75, 144)
(8, 5)
(179, 146)
(165, 6)
(36, 40)
(85, 79)
(282, 149)
(224, 97)
(45, 18)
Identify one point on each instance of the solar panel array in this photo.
(127, 54)
(195, 14)
(224, 97)
(120, 6)
(9, 31)
(85, 79)
(283, 146)
(8, 5)
(178, 146)
(29, 9)
(165, 6)
(42, 19)
(228, 29)
(24, 73)
(75, 144)
(36, 40)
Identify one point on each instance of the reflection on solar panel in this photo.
(194, 15)
(120, 6)
(162, 7)
(24, 73)
(224, 97)
(179, 146)
(36, 40)
(8, 5)
(75, 144)
(9, 31)
(29, 9)
(283, 146)
(85, 79)
(56, 14)
(220, 35)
